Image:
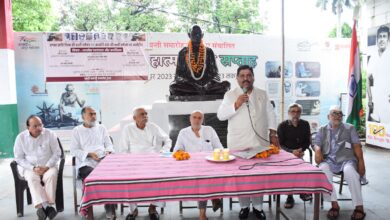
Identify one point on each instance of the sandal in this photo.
(306, 197)
(289, 203)
(358, 211)
(333, 213)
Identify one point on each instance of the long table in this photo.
(136, 178)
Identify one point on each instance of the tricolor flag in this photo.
(354, 83)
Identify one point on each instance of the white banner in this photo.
(82, 56)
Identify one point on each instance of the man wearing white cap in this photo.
(198, 138)
(338, 149)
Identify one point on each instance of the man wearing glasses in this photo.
(37, 152)
(338, 149)
(294, 137)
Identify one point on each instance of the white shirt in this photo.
(151, 139)
(378, 67)
(43, 150)
(188, 141)
(85, 140)
(240, 132)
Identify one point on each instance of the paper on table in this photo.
(249, 152)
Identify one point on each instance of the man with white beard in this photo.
(90, 143)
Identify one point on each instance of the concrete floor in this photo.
(375, 195)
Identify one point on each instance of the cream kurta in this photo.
(240, 132)
(151, 139)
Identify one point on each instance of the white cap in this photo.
(334, 108)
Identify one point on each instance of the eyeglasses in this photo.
(337, 114)
(36, 126)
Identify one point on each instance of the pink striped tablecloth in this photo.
(124, 178)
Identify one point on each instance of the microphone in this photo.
(245, 90)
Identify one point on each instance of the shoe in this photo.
(154, 216)
(289, 204)
(41, 214)
(109, 208)
(358, 212)
(306, 197)
(259, 214)
(217, 204)
(51, 212)
(333, 213)
(244, 213)
(133, 215)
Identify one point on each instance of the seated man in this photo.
(337, 149)
(197, 138)
(37, 152)
(90, 143)
(294, 137)
(142, 136)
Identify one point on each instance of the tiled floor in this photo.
(375, 195)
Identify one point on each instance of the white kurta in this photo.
(240, 132)
(378, 67)
(40, 151)
(151, 139)
(43, 150)
(86, 140)
(188, 141)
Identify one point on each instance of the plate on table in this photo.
(211, 158)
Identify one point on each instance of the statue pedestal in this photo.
(173, 116)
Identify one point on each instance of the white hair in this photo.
(293, 105)
(135, 109)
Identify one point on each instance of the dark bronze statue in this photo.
(197, 71)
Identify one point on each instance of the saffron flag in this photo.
(354, 83)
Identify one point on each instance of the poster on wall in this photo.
(378, 90)
(98, 56)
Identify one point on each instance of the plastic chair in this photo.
(21, 185)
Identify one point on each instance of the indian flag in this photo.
(354, 82)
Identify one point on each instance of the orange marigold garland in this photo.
(273, 150)
(196, 67)
(181, 155)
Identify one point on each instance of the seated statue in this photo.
(197, 71)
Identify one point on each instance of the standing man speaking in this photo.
(251, 120)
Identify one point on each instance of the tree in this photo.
(33, 15)
(346, 31)
(104, 15)
(337, 9)
(220, 16)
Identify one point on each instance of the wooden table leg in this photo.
(316, 215)
(277, 207)
(90, 213)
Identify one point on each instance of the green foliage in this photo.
(102, 15)
(226, 16)
(346, 31)
(33, 15)
(215, 16)
(336, 5)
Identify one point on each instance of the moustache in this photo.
(245, 81)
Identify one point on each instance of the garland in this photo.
(196, 67)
